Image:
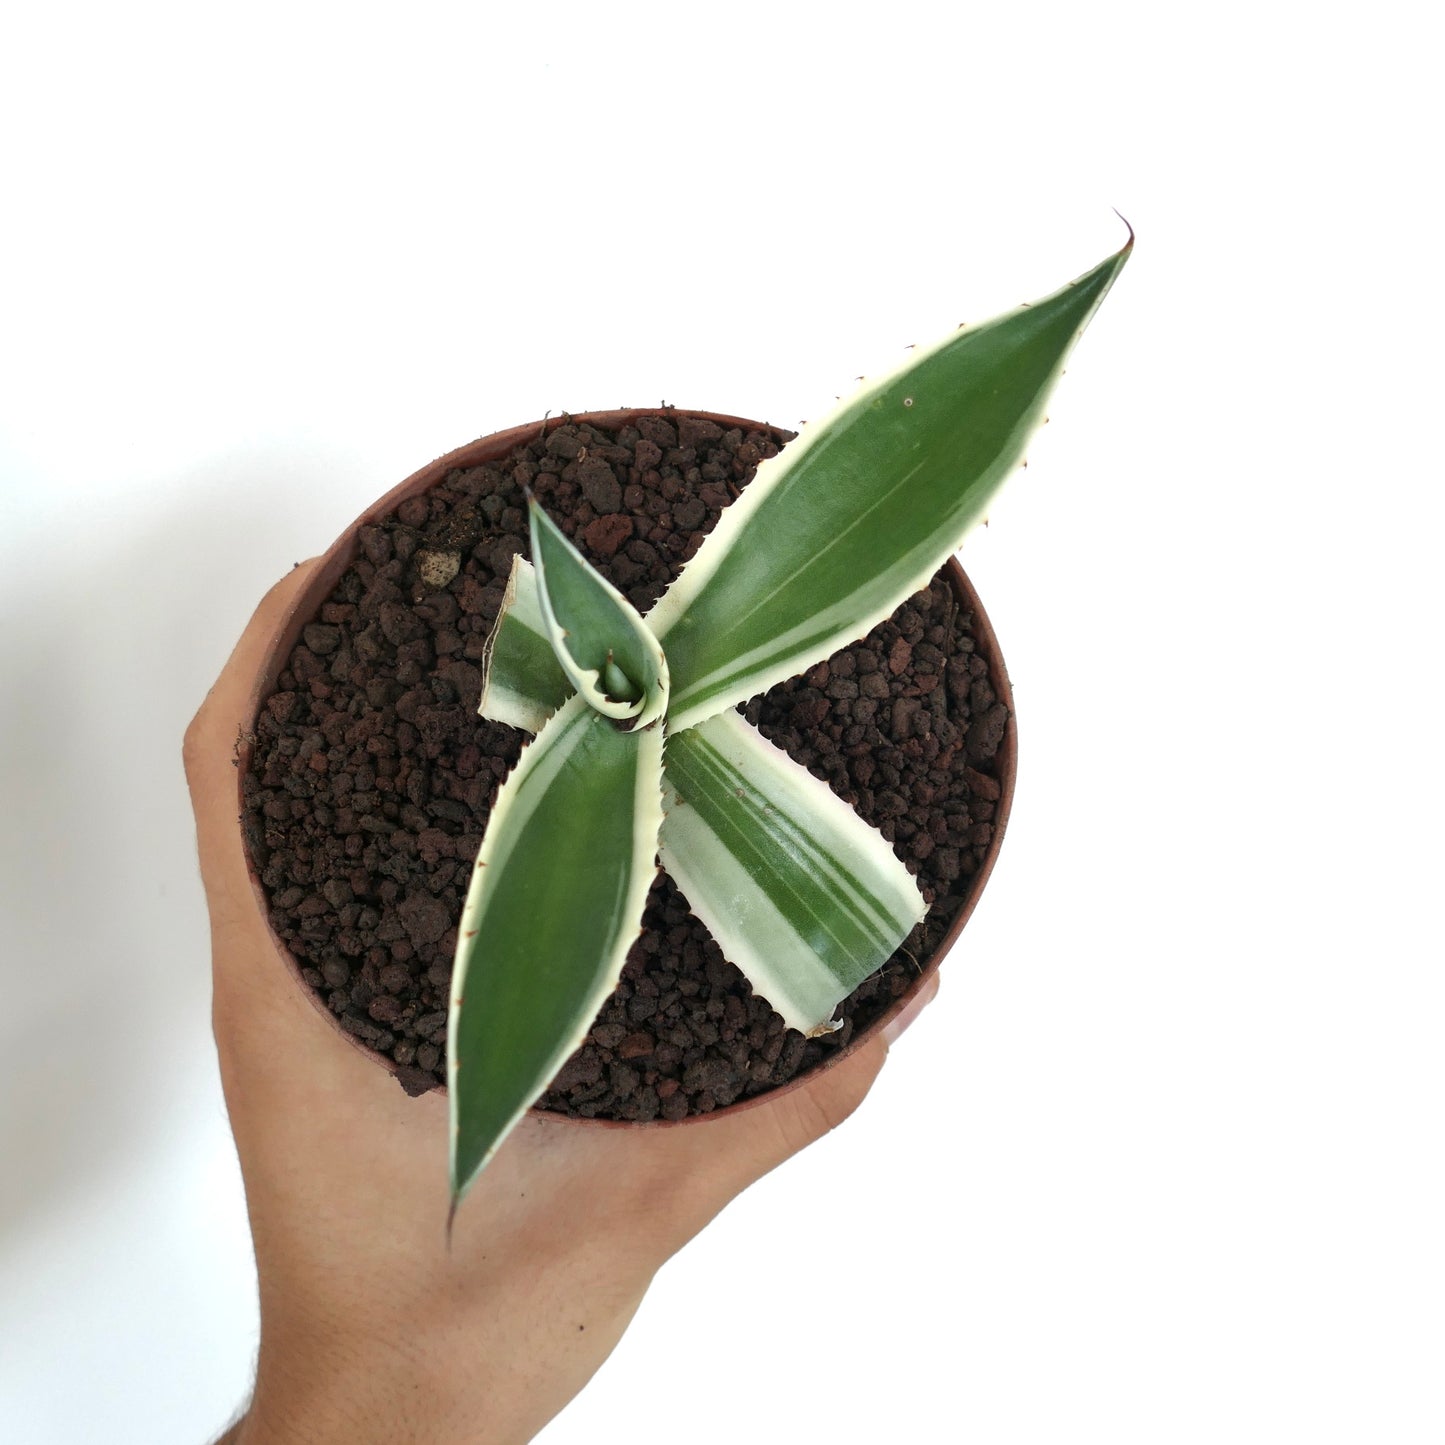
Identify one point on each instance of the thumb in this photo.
(788, 1122)
(816, 1108)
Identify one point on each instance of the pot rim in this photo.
(333, 564)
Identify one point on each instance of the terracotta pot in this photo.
(342, 553)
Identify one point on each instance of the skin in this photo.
(371, 1330)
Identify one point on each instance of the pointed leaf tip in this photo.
(865, 504)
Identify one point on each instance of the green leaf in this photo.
(524, 683)
(782, 875)
(555, 902)
(862, 508)
(799, 892)
(596, 632)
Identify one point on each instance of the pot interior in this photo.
(368, 776)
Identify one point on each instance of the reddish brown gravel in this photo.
(372, 775)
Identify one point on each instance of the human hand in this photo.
(371, 1328)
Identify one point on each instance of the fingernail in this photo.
(894, 1028)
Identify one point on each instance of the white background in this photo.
(1164, 1161)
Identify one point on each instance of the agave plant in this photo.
(640, 753)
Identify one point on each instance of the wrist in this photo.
(478, 1368)
(326, 1390)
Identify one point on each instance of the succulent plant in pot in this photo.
(639, 753)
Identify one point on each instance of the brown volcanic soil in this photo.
(372, 776)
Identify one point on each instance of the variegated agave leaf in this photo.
(524, 684)
(864, 506)
(799, 892)
(555, 902)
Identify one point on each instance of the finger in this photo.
(209, 754)
(733, 1152)
(209, 748)
(804, 1115)
(225, 703)
(894, 1028)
